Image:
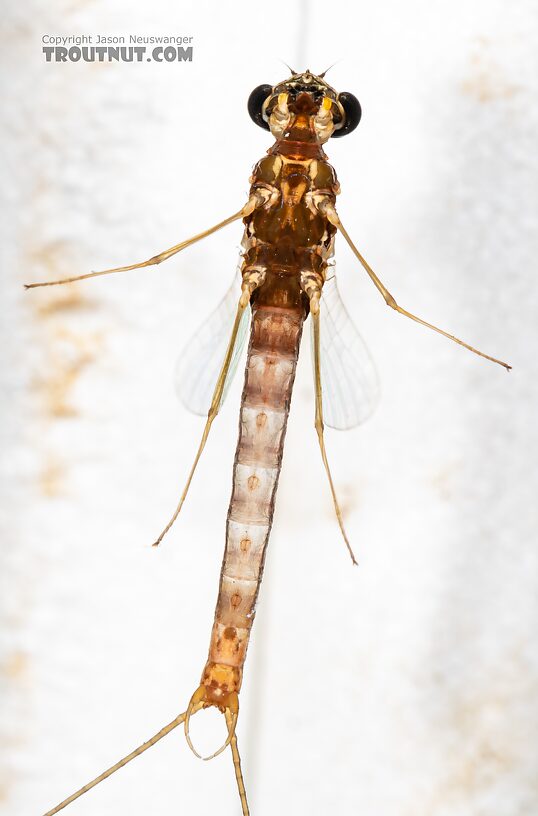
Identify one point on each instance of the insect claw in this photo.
(198, 701)
(231, 734)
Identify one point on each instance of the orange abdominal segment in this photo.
(220, 680)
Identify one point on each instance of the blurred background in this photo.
(408, 685)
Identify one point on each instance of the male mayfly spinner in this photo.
(286, 276)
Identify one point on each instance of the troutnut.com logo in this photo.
(129, 48)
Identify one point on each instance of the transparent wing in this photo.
(199, 364)
(349, 382)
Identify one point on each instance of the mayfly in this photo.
(286, 275)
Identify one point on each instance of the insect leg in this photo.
(327, 208)
(140, 750)
(250, 283)
(313, 290)
(257, 199)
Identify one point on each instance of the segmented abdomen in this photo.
(269, 376)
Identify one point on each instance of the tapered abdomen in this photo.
(270, 372)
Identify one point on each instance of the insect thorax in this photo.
(289, 238)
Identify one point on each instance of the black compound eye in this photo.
(255, 104)
(353, 112)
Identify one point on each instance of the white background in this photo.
(408, 686)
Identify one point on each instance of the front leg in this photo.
(258, 198)
(325, 206)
